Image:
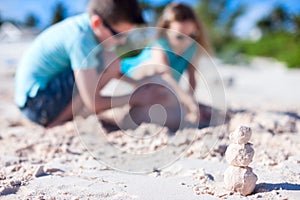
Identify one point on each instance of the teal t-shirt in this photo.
(63, 46)
(178, 63)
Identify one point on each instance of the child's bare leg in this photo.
(212, 116)
(205, 112)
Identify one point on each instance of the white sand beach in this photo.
(38, 163)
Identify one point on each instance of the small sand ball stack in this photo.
(239, 177)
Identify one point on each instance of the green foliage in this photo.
(296, 22)
(277, 20)
(280, 38)
(157, 9)
(59, 13)
(130, 54)
(31, 21)
(1, 21)
(218, 21)
(282, 46)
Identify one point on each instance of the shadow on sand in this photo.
(204, 121)
(267, 187)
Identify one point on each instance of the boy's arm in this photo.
(89, 84)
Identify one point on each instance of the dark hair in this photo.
(181, 12)
(116, 11)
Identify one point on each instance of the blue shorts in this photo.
(51, 101)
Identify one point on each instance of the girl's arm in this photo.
(192, 71)
(192, 79)
(161, 65)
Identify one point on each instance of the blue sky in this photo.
(43, 9)
(20, 9)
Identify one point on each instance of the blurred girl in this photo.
(175, 52)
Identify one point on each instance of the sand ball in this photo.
(240, 179)
(240, 155)
(241, 135)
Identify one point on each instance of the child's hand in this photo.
(192, 109)
(192, 117)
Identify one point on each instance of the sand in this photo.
(148, 163)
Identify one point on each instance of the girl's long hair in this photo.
(181, 12)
